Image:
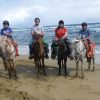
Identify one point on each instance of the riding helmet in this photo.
(6, 22)
(84, 24)
(61, 22)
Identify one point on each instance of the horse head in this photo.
(77, 48)
(61, 45)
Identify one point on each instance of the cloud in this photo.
(50, 12)
(17, 14)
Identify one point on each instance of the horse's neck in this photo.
(38, 45)
(9, 46)
(79, 46)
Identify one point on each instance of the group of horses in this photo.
(7, 52)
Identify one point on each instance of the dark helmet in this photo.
(5, 22)
(61, 22)
(37, 19)
(84, 24)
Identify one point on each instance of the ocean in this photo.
(23, 35)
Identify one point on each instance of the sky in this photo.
(21, 13)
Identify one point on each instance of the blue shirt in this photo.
(6, 31)
(84, 33)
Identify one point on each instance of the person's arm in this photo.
(11, 32)
(32, 31)
(8, 32)
(79, 34)
(1, 32)
(66, 34)
(42, 31)
(89, 34)
(55, 37)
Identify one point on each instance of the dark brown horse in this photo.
(38, 51)
(62, 56)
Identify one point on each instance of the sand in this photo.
(31, 86)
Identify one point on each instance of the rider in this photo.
(61, 33)
(85, 34)
(7, 31)
(37, 30)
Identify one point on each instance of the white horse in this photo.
(78, 51)
(7, 52)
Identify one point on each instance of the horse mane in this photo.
(38, 48)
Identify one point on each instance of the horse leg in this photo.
(65, 67)
(43, 66)
(89, 63)
(38, 66)
(93, 64)
(59, 63)
(9, 70)
(14, 69)
(5, 65)
(82, 68)
(40, 63)
(77, 65)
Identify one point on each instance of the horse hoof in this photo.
(76, 75)
(9, 77)
(45, 74)
(16, 78)
(59, 74)
(82, 77)
(65, 75)
(93, 70)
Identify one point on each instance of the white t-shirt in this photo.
(37, 30)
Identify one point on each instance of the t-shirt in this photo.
(6, 31)
(38, 30)
(84, 33)
(60, 32)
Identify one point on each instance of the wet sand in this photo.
(31, 86)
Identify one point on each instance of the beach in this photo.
(31, 86)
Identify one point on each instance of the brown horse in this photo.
(62, 56)
(38, 51)
(7, 52)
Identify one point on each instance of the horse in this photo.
(62, 56)
(78, 54)
(38, 52)
(90, 53)
(7, 52)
